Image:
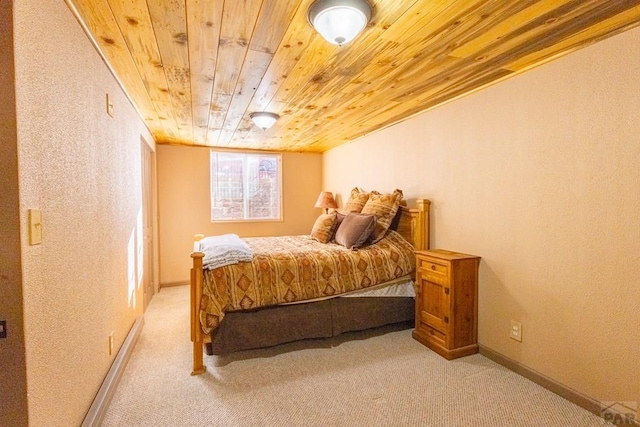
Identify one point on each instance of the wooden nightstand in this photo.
(447, 302)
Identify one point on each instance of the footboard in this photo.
(197, 336)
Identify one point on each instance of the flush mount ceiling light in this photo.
(339, 21)
(263, 119)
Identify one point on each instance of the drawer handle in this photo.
(433, 267)
(446, 291)
(446, 319)
(432, 332)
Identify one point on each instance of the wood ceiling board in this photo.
(179, 84)
(295, 41)
(235, 35)
(324, 91)
(170, 29)
(428, 17)
(253, 70)
(284, 62)
(170, 25)
(134, 22)
(416, 62)
(204, 21)
(271, 26)
(539, 30)
(533, 12)
(258, 81)
(598, 31)
(238, 20)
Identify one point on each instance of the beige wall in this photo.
(538, 175)
(82, 169)
(13, 379)
(185, 207)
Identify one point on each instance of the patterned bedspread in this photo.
(298, 268)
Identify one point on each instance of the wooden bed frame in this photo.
(413, 226)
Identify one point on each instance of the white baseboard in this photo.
(101, 402)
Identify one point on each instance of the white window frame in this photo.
(245, 155)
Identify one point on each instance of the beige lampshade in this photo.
(326, 201)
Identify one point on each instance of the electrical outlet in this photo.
(516, 331)
(111, 343)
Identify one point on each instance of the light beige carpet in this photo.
(372, 380)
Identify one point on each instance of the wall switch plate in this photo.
(35, 227)
(516, 331)
(3, 329)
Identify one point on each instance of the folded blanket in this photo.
(224, 250)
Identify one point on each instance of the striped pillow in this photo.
(357, 200)
(384, 208)
(324, 227)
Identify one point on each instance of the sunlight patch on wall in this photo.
(135, 259)
(140, 247)
(132, 269)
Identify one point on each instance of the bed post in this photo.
(196, 329)
(423, 218)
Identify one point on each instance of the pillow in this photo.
(355, 229)
(339, 218)
(323, 228)
(356, 202)
(396, 219)
(384, 208)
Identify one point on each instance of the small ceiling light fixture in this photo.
(339, 21)
(263, 119)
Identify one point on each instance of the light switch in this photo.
(109, 106)
(35, 227)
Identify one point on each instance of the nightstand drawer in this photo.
(433, 271)
(432, 334)
(433, 267)
(438, 323)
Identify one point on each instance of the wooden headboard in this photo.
(414, 224)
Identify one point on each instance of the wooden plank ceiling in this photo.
(196, 69)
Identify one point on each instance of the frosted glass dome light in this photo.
(339, 21)
(263, 119)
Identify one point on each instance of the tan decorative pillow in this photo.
(355, 229)
(323, 228)
(356, 202)
(384, 208)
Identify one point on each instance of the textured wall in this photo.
(13, 380)
(185, 207)
(538, 175)
(82, 169)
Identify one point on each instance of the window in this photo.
(245, 187)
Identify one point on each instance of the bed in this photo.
(238, 307)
